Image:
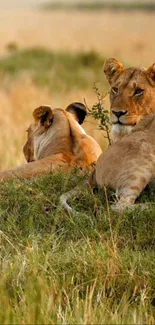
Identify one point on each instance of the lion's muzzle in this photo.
(118, 116)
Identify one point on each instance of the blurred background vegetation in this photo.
(101, 5)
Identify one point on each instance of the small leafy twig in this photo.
(98, 112)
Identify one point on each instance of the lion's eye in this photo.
(138, 92)
(114, 90)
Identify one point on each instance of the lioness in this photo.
(127, 166)
(56, 140)
(132, 95)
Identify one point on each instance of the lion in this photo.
(56, 140)
(132, 95)
(127, 166)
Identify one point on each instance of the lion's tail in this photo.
(70, 194)
(66, 196)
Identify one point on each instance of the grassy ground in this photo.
(93, 268)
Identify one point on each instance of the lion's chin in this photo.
(119, 130)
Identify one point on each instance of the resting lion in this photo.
(56, 140)
(132, 95)
(127, 166)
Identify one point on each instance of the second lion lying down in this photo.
(127, 166)
(56, 140)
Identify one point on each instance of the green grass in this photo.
(55, 70)
(58, 269)
(101, 5)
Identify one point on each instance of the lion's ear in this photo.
(112, 69)
(150, 73)
(44, 115)
(79, 111)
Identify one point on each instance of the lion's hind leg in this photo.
(128, 203)
(131, 189)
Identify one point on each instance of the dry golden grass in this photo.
(16, 106)
(123, 35)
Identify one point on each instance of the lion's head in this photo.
(132, 95)
(50, 133)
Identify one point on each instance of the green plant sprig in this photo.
(99, 113)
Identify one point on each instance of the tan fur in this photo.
(56, 140)
(126, 97)
(129, 164)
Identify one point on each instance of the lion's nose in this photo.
(119, 113)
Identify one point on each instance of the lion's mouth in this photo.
(122, 120)
(125, 120)
(125, 124)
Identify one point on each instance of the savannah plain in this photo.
(97, 268)
(127, 36)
